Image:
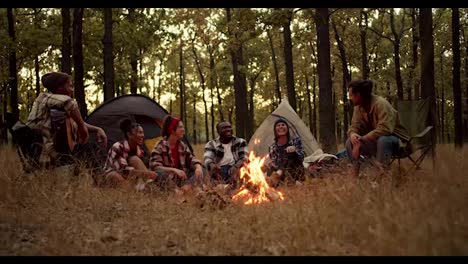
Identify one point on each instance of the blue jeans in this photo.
(164, 178)
(225, 172)
(382, 149)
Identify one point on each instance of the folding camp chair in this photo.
(414, 116)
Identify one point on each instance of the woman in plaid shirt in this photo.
(124, 158)
(286, 154)
(172, 159)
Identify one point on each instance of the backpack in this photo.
(29, 145)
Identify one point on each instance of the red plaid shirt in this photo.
(162, 156)
(117, 157)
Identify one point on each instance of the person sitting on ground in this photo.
(60, 93)
(225, 155)
(375, 127)
(172, 159)
(124, 160)
(286, 155)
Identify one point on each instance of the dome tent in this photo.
(139, 108)
(264, 135)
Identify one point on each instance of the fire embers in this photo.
(255, 189)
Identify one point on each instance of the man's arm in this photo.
(83, 134)
(386, 118)
(209, 155)
(100, 133)
(242, 153)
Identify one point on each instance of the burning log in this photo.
(255, 189)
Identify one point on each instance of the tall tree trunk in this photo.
(363, 24)
(389, 93)
(108, 56)
(230, 112)
(251, 121)
(465, 40)
(326, 109)
(194, 119)
(314, 100)
(314, 91)
(66, 41)
(346, 80)
(396, 55)
(4, 101)
(202, 82)
(240, 83)
(399, 81)
(288, 61)
(220, 103)
(133, 56)
(457, 95)
(78, 60)
(427, 62)
(275, 67)
(414, 53)
(161, 61)
(212, 84)
(36, 59)
(212, 113)
(37, 77)
(182, 82)
(309, 101)
(442, 97)
(140, 71)
(13, 72)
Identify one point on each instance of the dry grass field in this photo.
(53, 213)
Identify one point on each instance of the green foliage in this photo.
(154, 35)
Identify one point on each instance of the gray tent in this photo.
(139, 108)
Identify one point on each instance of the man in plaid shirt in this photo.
(225, 155)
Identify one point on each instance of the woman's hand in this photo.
(151, 175)
(290, 149)
(180, 174)
(198, 172)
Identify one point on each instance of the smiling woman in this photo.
(124, 162)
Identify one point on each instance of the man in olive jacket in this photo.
(375, 127)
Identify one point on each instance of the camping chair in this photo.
(414, 116)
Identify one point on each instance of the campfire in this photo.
(255, 189)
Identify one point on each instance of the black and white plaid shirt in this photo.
(214, 152)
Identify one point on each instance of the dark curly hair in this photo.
(128, 125)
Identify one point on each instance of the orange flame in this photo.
(255, 189)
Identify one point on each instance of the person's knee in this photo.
(113, 179)
(384, 142)
(136, 162)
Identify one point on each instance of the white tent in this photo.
(264, 135)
